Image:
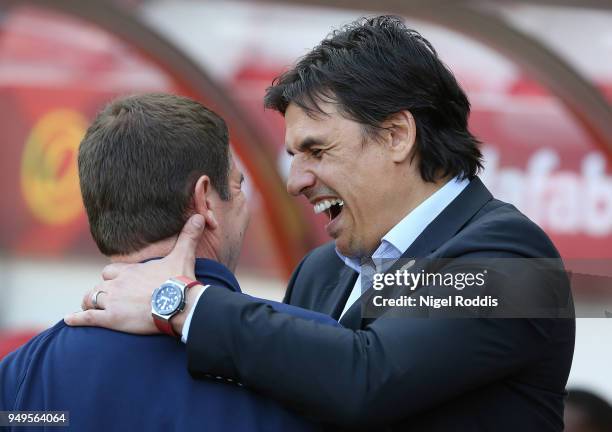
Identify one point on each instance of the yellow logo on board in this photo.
(49, 175)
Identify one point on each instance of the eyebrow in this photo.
(305, 145)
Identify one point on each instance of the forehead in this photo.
(324, 127)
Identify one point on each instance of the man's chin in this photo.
(345, 249)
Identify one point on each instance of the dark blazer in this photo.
(111, 381)
(405, 373)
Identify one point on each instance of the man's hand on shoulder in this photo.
(124, 298)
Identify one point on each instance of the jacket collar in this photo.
(212, 272)
(451, 220)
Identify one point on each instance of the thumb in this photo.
(188, 240)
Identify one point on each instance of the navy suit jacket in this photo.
(418, 374)
(111, 381)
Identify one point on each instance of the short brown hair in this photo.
(138, 164)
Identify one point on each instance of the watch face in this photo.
(167, 299)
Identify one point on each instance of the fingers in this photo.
(111, 271)
(124, 303)
(86, 301)
(123, 300)
(100, 295)
(89, 318)
(188, 240)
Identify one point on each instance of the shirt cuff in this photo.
(190, 316)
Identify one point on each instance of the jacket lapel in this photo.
(352, 318)
(339, 296)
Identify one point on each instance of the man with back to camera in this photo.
(377, 128)
(146, 164)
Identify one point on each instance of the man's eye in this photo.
(316, 153)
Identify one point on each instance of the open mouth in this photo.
(333, 207)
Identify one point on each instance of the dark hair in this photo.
(597, 411)
(374, 68)
(138, 164)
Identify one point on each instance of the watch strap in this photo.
(164, 326)
(187, 282)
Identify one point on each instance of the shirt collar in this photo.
(401, 236)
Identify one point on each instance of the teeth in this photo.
(321, 206)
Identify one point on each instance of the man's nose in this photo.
(299, 178)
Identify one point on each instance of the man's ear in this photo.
(204, 196)
(402, 135)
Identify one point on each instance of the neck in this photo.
(153, 250)
(205, 249)
(414, 196)
(417, 196)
